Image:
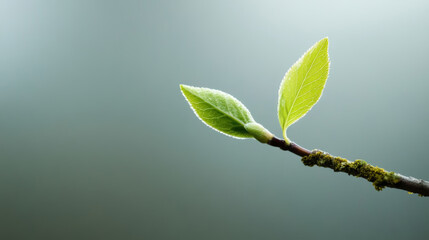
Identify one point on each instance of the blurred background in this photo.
(97, 142)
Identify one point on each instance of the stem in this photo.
(378, 176)
(292, 147)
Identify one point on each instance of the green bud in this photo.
(259, 132)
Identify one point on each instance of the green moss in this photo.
(359, 168)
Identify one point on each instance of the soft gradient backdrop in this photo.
(97, 142)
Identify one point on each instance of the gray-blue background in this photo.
(97, 142)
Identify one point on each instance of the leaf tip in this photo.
(186, 89)
(324, 42)
(183, 87)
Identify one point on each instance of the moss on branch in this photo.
(379, 177)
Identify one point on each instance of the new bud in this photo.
(259, 132)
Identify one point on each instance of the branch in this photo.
(359, 168)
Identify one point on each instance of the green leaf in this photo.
(219, 110)
(303, 84)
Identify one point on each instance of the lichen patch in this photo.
(379, 177)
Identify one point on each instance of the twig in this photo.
(359, 168)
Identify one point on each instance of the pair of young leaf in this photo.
(299, 91)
